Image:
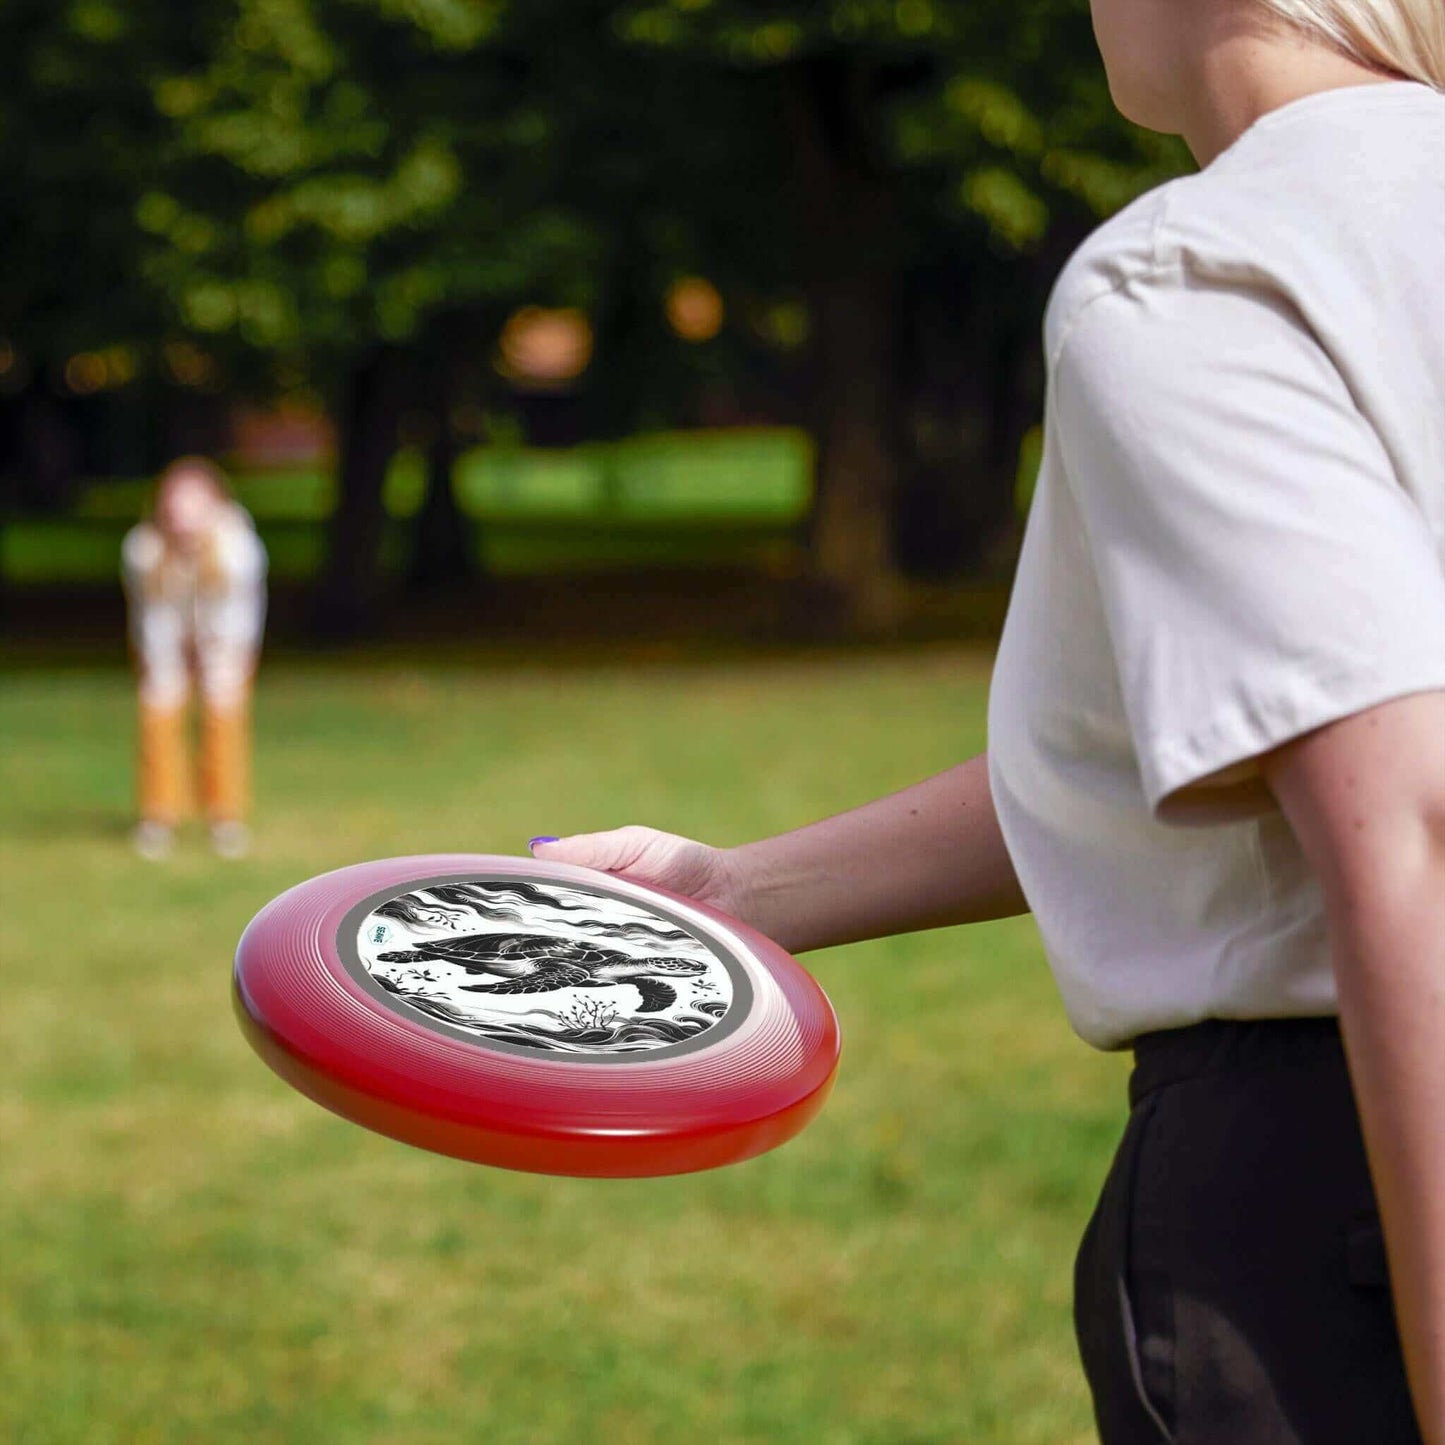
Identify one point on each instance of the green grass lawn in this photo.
(190, 1252)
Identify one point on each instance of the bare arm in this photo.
(926, 857)
(929, 856)
(1366, 797)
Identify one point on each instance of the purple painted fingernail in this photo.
(532, 842)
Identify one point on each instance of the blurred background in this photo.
(639, 403)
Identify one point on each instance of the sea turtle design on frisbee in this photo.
(529, 964)
(571, 970)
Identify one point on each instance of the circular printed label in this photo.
(528, 965)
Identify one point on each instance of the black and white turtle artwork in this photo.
(545, 966)
(532, 963)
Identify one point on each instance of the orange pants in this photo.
(163, 775)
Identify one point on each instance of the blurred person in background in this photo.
(194, 577)
(1216, 764)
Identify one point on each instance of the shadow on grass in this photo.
(60, 824)
(734, 610)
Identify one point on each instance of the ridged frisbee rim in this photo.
(310, 1017)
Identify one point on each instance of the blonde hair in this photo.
(1404, 37)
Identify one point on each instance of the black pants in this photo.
(1231, 1287)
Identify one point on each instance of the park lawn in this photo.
(190, 1252)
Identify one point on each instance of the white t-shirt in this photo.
(179, 618)
(1238, 535)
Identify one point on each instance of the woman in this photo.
(1217, 733)
(195, 585)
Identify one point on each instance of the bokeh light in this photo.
(188, 365)
(85, 373)
(545, 347)
(695, 309)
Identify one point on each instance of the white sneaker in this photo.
(152, 840)
(230, 840)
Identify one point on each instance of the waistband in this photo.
(1227, 1046)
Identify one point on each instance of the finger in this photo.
(610, 852)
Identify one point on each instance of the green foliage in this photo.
(347, 198)
(998, 112)
(341, 171)
(79, 140)
(303, 177)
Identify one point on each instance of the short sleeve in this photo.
(1262, 569)
(140, 554)
(241, 553)
(234, 615)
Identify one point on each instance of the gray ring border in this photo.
(349, 929)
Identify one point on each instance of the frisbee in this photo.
(535, 1016)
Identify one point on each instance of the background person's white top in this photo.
(177, 620)
(1238, 535)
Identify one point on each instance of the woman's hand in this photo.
(663, 860)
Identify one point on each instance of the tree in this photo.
(350, 196)
(350, 183)
(340, 175)
(81, 140)
(941, 153)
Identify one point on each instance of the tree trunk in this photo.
(850, 260)
(348, 599)
(1018, 406)
(441, 553)
(851, 530)
(50, 449)
(972, 377)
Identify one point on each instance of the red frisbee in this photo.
(535, 1016)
